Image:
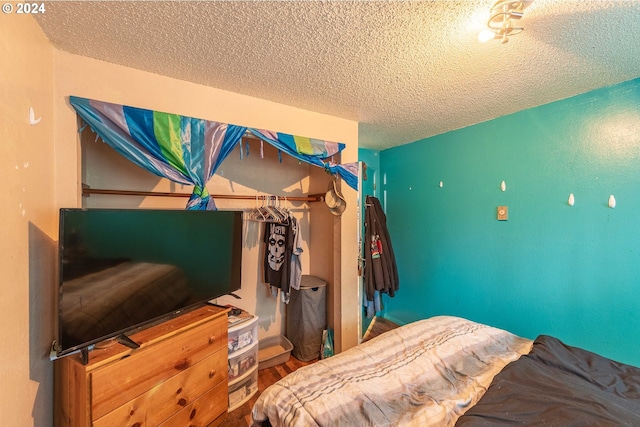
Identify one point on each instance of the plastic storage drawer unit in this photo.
(242, 361)
(243, 335)
(241, 391)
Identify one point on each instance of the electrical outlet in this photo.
(503, 213)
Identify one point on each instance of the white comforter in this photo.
(426, 373)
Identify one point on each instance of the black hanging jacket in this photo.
(380, 270)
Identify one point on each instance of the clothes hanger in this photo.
(269, 211)
(284, 212)
(272, 214)
(266, 212)
(257, 214)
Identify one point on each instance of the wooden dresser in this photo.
(178, 377)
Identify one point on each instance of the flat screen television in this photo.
(123, 269)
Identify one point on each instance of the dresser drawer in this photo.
(115, 384)
(203, 411)
(164, 400)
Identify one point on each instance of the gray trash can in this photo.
(306, 318)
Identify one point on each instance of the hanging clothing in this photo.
(380, 270)
(278, 242)
(372, 307)
(296, 267)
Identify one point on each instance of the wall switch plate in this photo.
(503, 213)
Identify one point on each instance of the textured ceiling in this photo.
(403, 70)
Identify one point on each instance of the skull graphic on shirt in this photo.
(276, 247)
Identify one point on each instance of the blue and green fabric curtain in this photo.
(312, 151)
(187, 150)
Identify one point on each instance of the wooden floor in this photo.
(241, 417)
(378, 325)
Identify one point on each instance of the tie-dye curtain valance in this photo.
(312, 151)
(189, 150)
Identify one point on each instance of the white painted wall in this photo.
(28, 223)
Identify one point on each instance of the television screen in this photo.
(122, 269)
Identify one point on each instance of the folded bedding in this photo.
(426, 373)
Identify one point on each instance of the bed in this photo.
(448, 371)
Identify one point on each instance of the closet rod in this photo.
(89, 191)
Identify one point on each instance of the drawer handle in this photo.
(212, 339)
(182, 364)
(212, 373)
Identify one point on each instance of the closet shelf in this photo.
(86, 191)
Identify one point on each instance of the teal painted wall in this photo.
(570, 272)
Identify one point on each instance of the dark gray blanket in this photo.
(559, 385)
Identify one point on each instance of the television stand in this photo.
(122, 339)
(84, 355)
(127, 342)
(176, 377)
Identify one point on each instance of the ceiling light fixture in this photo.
(499, 24)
